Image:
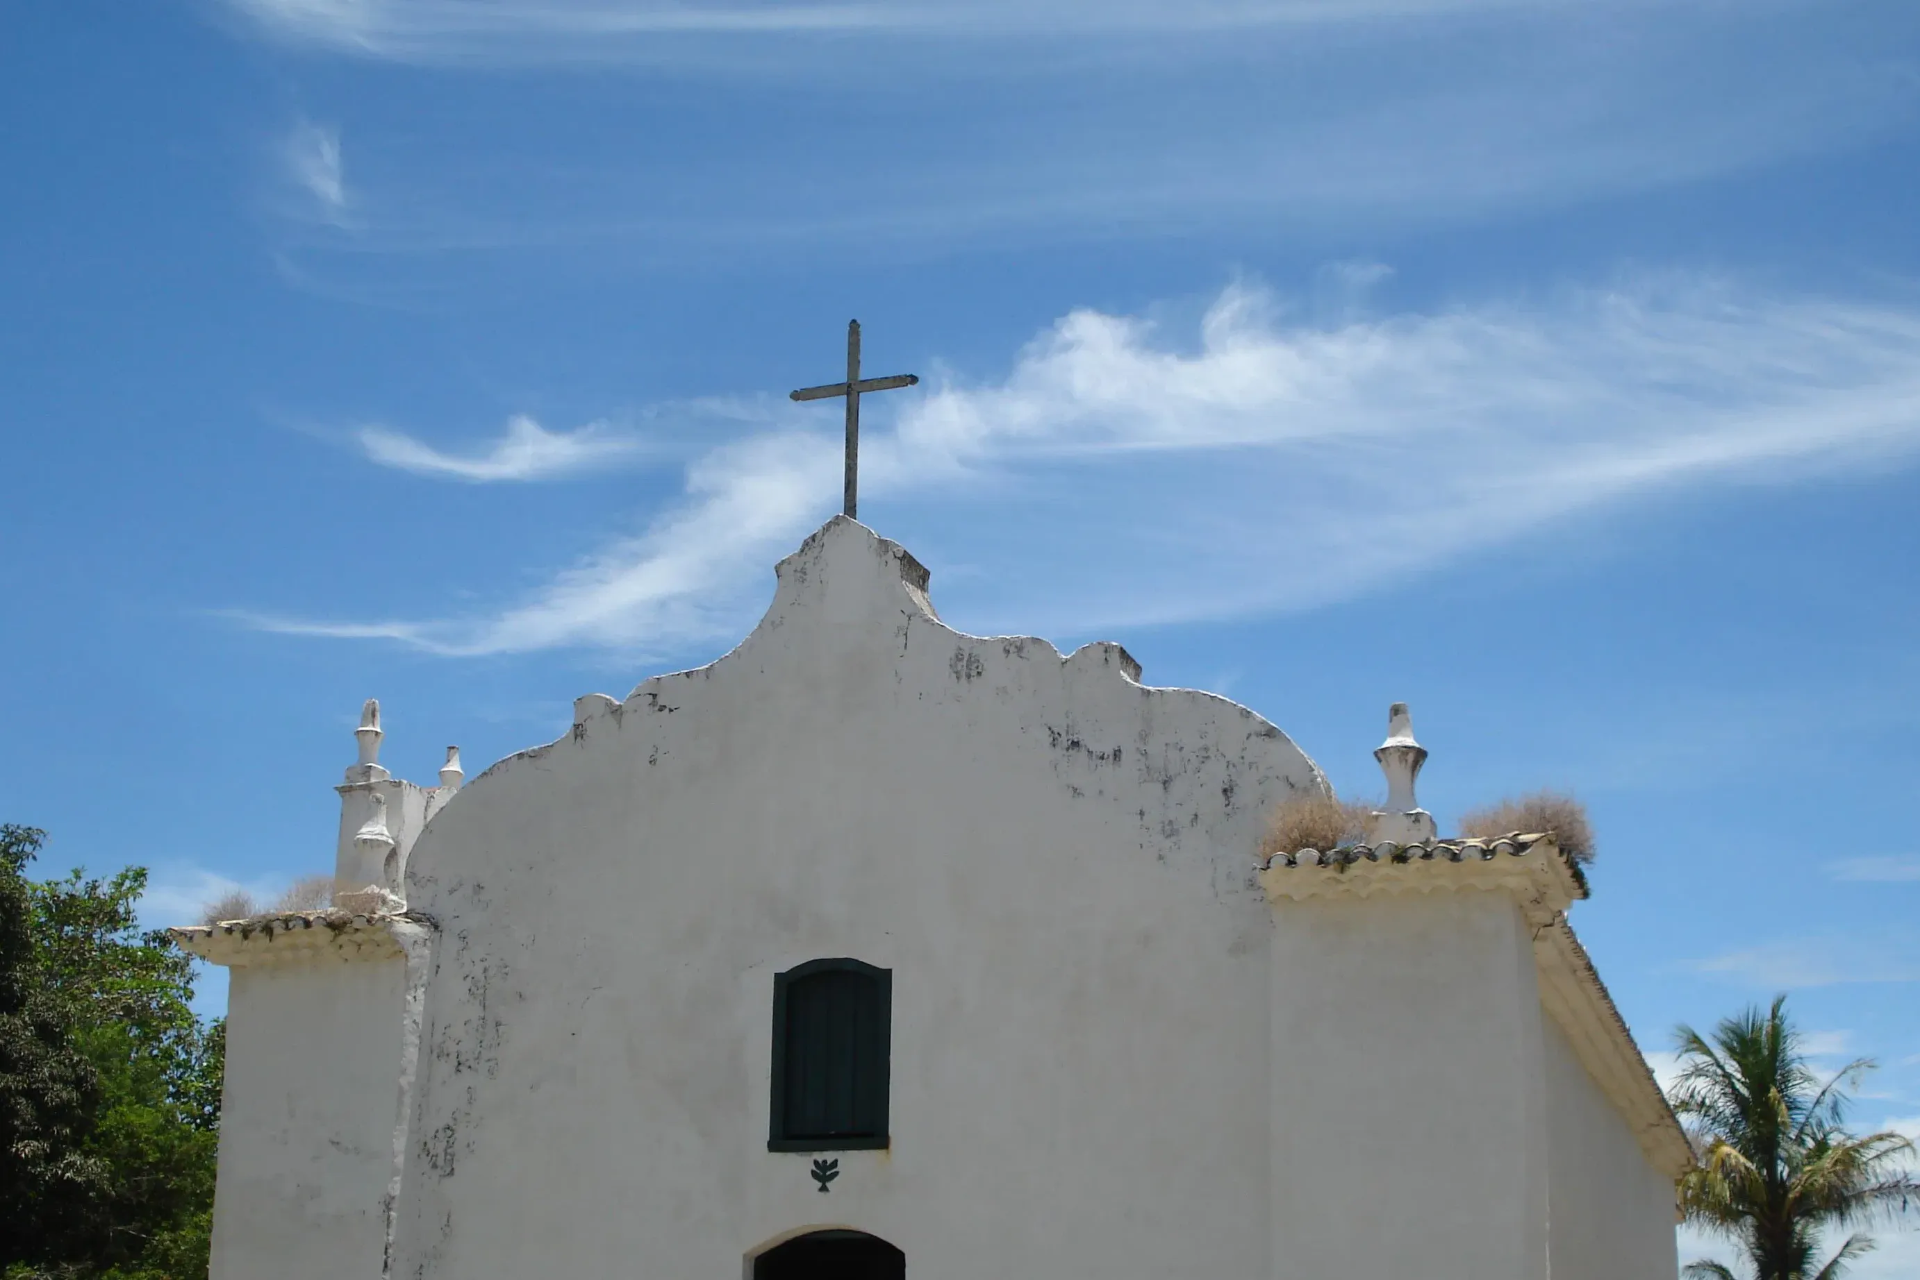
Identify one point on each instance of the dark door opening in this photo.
(832, 1255)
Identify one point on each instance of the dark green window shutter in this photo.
(831, 1048)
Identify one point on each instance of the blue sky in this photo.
(1554, 367)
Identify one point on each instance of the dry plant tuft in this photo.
(308, 893)
(1314, 822)
(234, 904)
(1549, 811)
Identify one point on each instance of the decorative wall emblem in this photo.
(825, 1171)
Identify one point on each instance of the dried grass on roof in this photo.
(308, 893)
(235, 904)
(1557, 813)
(1318, 821)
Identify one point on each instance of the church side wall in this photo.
(1611, 1212)
(1408, 1103)
(314, 1055)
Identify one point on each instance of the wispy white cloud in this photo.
(681, 579)
(1460, 136)
(178, 893)
(525, 451)
(1262, 462)
(1898, 868)
(1826, 1044)
(1818, 962)
(1311, 117)
(429, 30)
(1665, 1067)
(1907, 1127)
(310, 154)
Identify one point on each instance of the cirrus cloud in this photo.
(310, 156)
(1896, 868)
(524, 451)
(1260, 462)
(427, 30)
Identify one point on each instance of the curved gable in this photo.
(852, 652)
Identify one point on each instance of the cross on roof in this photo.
(852, 389)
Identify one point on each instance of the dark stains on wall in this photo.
(966, 666)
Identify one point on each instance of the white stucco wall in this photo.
(1611, 1213)
(314, 1069)
(1056, 863)
(1408, 1126)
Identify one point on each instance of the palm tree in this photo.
(1773, 1168)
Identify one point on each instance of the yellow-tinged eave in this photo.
(301, 936)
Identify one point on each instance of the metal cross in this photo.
(852, 389)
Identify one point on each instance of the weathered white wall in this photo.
(1056, 864)
(1409, 1138)
(1611, 1213)
(307, 1127)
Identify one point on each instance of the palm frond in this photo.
(1855, 1246)
(1851, 1181)
(1721, 1186)
(1826, 1106)
(1706, 1269)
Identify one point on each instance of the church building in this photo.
(874, 949)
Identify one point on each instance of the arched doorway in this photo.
(832, 1255)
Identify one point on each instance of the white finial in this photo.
(375, 843)
(367, 768)
(1403, 821)
(369, 733)
(1400, 759)
(451, 774)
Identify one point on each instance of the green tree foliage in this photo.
(109, 1085)
(48, 1087)
(1775, 1170)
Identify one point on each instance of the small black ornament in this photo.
(825, 1171)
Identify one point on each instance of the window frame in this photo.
(777, 1139)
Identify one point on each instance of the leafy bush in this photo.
(109, 1084)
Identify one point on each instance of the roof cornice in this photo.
(1530, 867)
(303, 937)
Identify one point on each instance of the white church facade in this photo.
(874, 948)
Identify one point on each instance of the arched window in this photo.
(831, 1043)
(841, 1255)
